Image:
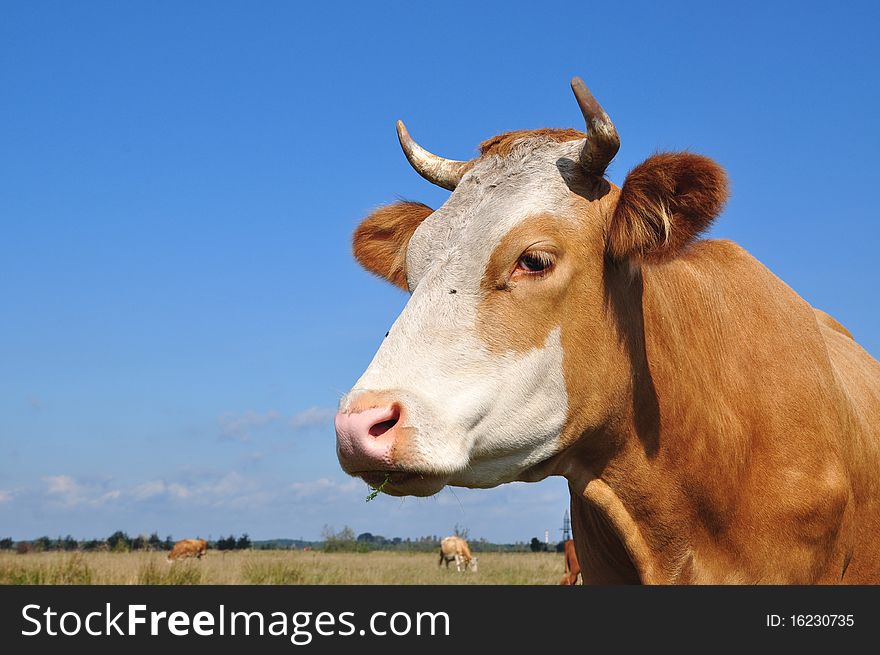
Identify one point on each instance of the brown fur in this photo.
(502, 144)
(188, 548)
(742, 450)
(665, 202)
(720, 429)
(572, 568)
(380, 241)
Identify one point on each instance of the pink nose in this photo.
(364, 438)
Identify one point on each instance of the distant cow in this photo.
(456, 549)
(572, 568)
(188, 548)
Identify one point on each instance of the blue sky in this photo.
(179, 310)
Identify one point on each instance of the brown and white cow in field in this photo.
(713, 427)
(186, 548)
(572, 568)
(456, 549)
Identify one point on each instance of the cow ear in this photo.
(665, 202)
(380, 241)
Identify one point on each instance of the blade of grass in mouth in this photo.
(377, 490)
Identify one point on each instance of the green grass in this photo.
(377, 490)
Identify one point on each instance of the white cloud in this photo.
(61, 484)
(230, 484)
(147, 490)
(70, 492)
(213, 490)
(155, 488)
(115, 494)
(311, 417)
(324, 487)
(65, 490)
(217, 489)
(240, 427)
(178, 490)
(244, 426)
(271, 504)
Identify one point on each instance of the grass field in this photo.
(275, 567)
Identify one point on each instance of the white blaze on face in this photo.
(478, 418)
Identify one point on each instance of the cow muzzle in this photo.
(372, 438)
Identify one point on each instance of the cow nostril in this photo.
(380, 428)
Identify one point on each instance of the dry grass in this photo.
(275, 567)
(57, 569)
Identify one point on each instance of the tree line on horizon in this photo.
(118, 542)
(344, 540)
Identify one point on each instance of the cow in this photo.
(712, 426)
(186, 548)
(456, 549)
(572, 568)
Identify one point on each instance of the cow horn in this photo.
(437, 170)
(602, 141)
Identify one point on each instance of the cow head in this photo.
(512, 347)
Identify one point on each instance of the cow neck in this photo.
(629, 495)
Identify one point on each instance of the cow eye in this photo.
(534, 262)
